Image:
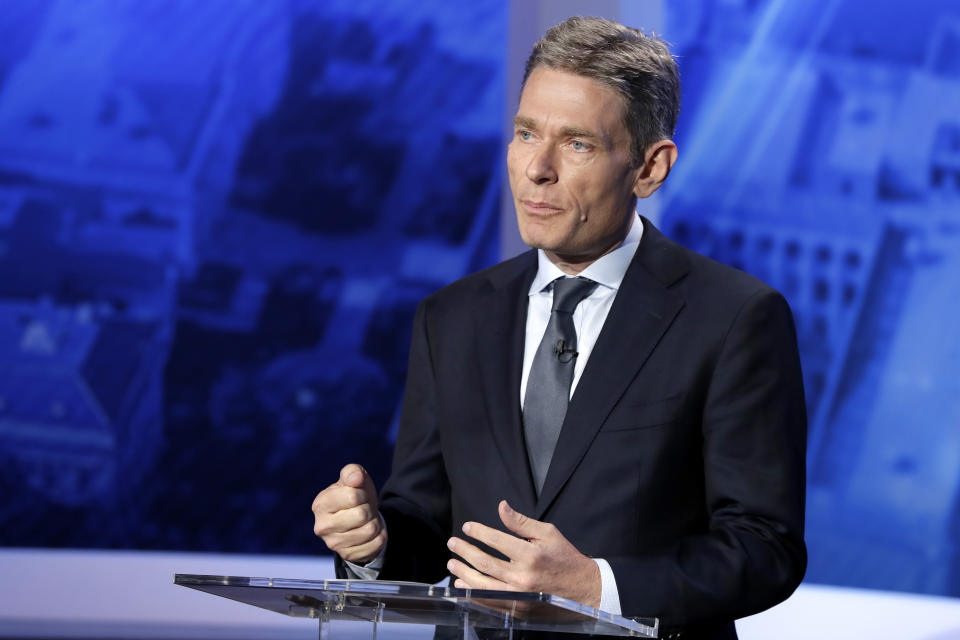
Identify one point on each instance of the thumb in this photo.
(353, 475)
(522, 525)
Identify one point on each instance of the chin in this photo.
(538, 238)
(535, 241)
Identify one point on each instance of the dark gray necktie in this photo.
(548, 384)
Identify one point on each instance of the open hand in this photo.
(540, 559)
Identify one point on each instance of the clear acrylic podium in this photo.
(465, 610)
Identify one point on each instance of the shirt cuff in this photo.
(371, 570)
(609, 596)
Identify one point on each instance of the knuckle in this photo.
(526, 582)
(347, 521)
(357, 497)
(373, 545)
(538, 558)
(376, 543)
(333, 542)
(360, 523)
(324, 498)
(320, 502)
(369, 529)
(321, 528)
(366, 512)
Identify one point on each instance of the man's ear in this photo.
(657, 162)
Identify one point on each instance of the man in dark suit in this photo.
(611, 418)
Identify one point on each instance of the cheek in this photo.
(515, 164)
(580, 194)
(599, 198)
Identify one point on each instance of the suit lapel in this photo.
(641, 313)
(500, 321)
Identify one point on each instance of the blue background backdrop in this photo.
(216, 220)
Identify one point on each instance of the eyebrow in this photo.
(574, 132)
(522, 122)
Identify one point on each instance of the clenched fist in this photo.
(346, 516)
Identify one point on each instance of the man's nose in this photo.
(542, 169)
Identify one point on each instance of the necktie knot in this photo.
(569, 292)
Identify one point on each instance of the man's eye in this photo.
(579, 146)
(525, 135)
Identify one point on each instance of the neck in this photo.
(574, 264)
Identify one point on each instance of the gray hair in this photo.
(638, 67)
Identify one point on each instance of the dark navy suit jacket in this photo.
(681, 458)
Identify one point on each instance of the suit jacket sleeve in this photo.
(754, 440)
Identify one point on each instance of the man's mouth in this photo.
(540, 207)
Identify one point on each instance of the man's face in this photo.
(570, 168)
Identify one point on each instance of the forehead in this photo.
(554, 98)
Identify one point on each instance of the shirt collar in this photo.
(607, 270)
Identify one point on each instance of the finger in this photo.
(473, 578)
(365, 552)
(344, 520)
(510, 546)
(523, 526)
(336, 498)
(353, 537)
(480, 560)
(353, 475)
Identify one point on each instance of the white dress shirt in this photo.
(588, 318)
